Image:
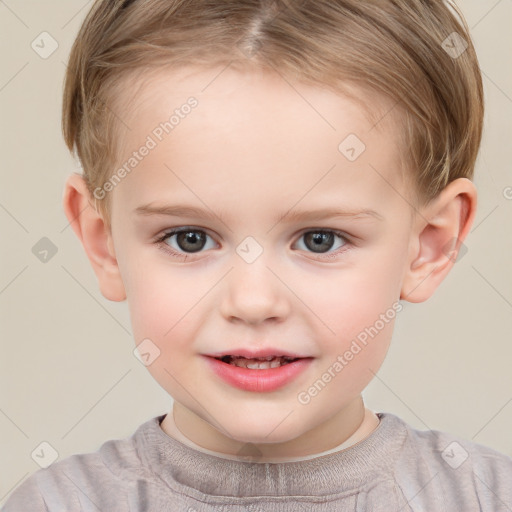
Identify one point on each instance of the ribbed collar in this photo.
(202, 475)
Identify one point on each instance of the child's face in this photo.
(254, 149)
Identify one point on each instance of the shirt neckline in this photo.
(352, 440)
(206, 476)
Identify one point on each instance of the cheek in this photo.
(353, 298)
(164, 309)
(359, 303)
(162, 301)
(357, 351)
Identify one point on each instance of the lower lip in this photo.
(258, 380)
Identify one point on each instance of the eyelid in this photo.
(336, 231)
(179, 229)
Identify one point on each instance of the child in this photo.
(262, 132)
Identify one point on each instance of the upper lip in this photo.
(257, 354)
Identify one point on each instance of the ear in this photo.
(437, 235)
(96, 238)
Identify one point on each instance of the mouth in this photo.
(258, 372)
(260, 363)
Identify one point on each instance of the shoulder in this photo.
(79, 481)
(454, 471)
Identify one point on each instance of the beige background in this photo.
(68, 374)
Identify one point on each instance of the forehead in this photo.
(156, 89)
(252, 127)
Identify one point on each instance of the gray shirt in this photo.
(396, 468)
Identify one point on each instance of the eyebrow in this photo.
(289, 217)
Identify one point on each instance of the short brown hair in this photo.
(417, 53)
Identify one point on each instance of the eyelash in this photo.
(160, 241)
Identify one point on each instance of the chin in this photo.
(264, 431)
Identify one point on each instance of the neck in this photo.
(349, 426)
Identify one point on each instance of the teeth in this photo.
(258, 364)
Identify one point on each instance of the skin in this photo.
(252, 151)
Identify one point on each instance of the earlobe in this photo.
(437, 239)
(96, 239)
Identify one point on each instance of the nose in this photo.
(253, 294)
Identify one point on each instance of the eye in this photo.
(184, 241)
(321, 241)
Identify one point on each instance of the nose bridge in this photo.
(252, 293)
